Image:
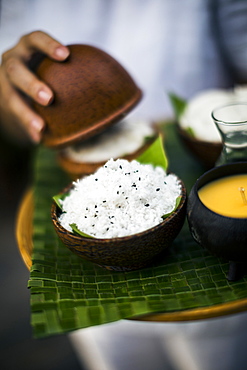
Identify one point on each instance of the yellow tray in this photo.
(25, 245)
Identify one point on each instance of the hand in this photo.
(18, 84)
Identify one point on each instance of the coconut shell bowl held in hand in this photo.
(91, 92)
(92, 95)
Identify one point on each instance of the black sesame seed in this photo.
(139, 178)
(120, 166)
(147, 205)
(104, 201)
(95, 206)
(117, 192)
(96, 179)
(158, 189)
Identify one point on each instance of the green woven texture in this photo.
(68, 293)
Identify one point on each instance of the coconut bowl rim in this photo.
(182, 131)
(57, 224)
(150, 139)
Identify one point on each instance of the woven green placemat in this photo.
(68, 293)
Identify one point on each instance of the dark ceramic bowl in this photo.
(223, 236)
(126, 253)
(92, 91)
(205, 152)
(78, 169)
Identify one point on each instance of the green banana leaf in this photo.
(155, 154)
(179, 106)
(79, 232)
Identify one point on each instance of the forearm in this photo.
(230, 26)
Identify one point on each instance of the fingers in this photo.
(15, 109)
(40, 41)
(27, 82)
(16, 77)
(15, 61)
(32, 123)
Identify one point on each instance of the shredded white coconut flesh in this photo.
(124, 137)
(197, 114)
(121, 198)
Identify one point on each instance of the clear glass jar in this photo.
(231, 121)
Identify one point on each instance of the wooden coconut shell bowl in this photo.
(205, 152)
(126, 253)
(91, 91)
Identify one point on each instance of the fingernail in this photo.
(37, 125)
(35, 129)
(62, 52)
(44, 97)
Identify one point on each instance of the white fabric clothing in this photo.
(180, 46)
(212, 344)
(166, 45)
